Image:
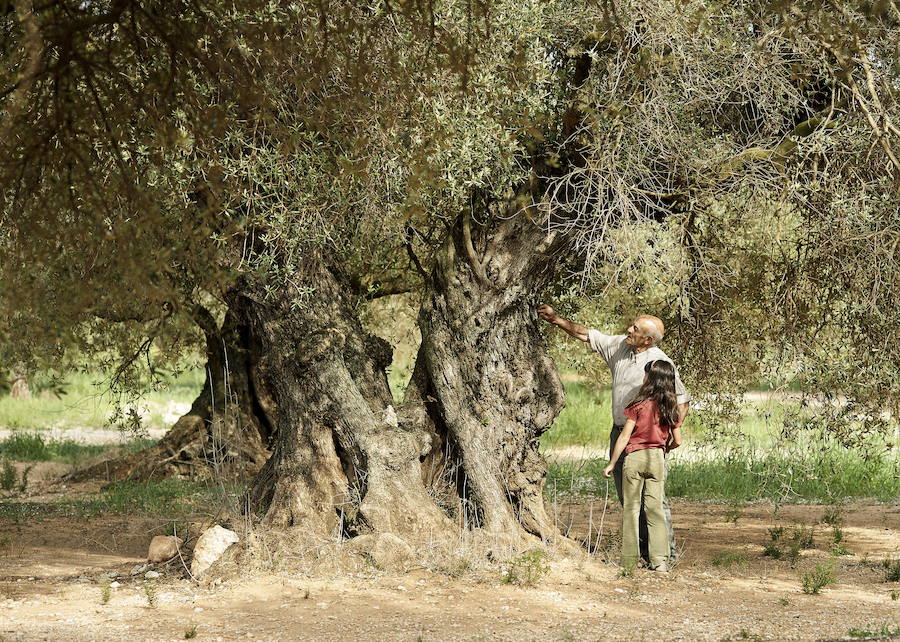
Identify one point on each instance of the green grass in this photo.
(33, 446)
(168, 497)
(886, 631)
(827, 478)
(586, 419)
(85, 403)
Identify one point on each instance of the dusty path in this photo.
(51, 588)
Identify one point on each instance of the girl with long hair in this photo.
(652, 428)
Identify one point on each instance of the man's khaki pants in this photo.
(643, 483)
(643, 533)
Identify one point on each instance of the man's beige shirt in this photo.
(627, 370)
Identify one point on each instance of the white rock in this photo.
(114, 585)
(151, 575)
(210, 546)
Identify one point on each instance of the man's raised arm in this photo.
(574, 329)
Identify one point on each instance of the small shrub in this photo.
(891, 570)
(833, 517)
(734, 513)
(23, 484)
(792, 554)
(817, 579)
(191, 633)
(776, 533)
(105, 592)
(526, 569)
(727, 559)
(895, 595)
(774, 551)
(151, 594)
(784, 601)
(837, 542)
(803, 537)
(7, 475)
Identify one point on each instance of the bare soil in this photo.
(52, 574)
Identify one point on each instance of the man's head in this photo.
(645, 332)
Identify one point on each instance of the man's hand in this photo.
(547, 313)
(607, 472)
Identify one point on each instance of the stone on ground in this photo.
(163, 548)
(390, 552)
(210, 546)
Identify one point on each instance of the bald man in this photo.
(626, 355)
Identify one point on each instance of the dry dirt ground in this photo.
(52, 575)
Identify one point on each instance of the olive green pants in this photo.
(644, 476)
(642, 520)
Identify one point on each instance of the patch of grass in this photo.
(836, 475)
(817, 579)
(86, 404)
(172, 498)
(586, 419)
(727, 559)
(882, 632)
(891, 570)
(33, 446)
(526, 569)
(783, 601)
(191, 632)
(7, 475)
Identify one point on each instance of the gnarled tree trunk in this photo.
(344, 463)
(484, 366)
(228, 428)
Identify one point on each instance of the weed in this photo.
(891, 570)
(833, 517)
(7, 475)
(837, 541)
(817, 579)
(803, 537)
(774, 551)
(883, 632)
(776, 533)
(895, 595)
(191, 633)
(526, 569)
(455, 568)
(151, 594)
(105, 592)
(734, 513)
(784, 601)
(727, 559)
(23, 483)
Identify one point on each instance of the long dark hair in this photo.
(660, 386)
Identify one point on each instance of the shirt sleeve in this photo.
(633, 412)
(683, 396)
(605, 344)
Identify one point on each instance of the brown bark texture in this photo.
(344, 462)
(226, 432)
(484, 377)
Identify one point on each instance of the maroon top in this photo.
(649, 431)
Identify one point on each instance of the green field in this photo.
(86, 404)
(746, 461)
